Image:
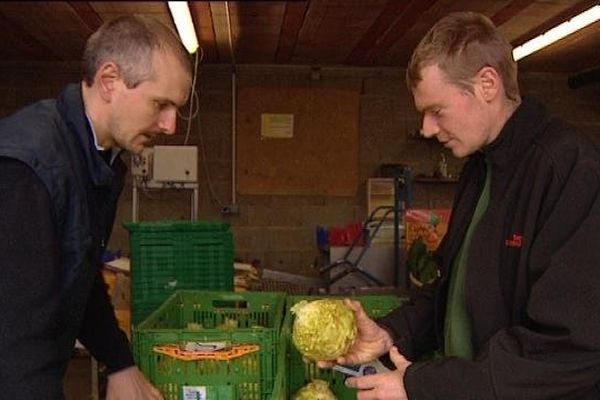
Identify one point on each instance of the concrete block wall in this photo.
(280, 230)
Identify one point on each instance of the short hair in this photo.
(130, 42)
(461, 44)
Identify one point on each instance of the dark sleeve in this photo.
(411, 326)
(554, 353)
(100, 332)
(29, 287)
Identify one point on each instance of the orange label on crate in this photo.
(174, 351)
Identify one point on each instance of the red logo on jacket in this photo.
(516, 240)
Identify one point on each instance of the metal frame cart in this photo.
(345, 265)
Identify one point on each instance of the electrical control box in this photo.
(141, 164)
(175, 164)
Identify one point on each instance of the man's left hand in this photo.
(383, 386)
(131, 384)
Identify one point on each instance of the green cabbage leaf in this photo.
(323, 329)
(316, 390)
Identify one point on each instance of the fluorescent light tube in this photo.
(185, 26)
(558, 32)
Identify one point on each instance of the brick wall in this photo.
(280, 230)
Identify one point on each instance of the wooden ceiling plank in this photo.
(392, 10)
(332, 28)
(293, 19)
(87, 14)
(221, 29)
(56, 25)
(413, 12)
(29, 41)
(129, 7)
(552, 22)
(23, 45)
(109, 10)
(584, 78)
(205, 30)
(266, 21)
(509, 11)
(256, 30)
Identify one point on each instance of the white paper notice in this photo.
(194, 393)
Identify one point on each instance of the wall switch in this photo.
(230, 209)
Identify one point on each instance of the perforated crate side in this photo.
(196, 316)
(174, 255)
(280, 384)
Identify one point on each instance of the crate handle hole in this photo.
(230, 304)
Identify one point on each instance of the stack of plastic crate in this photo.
(245, 318)
(174, 255)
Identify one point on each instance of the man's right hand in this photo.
(131, 384)
(371, 342)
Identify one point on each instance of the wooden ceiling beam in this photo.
(508, 12)
(409, 17)
(584, 78)
(31, 47)
(218, 10)
(392, 11)
(552, 22)
(293, 19)
(205, 30)
(87, 14)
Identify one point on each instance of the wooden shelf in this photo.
(426, 179)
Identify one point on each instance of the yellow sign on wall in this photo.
(277, 125)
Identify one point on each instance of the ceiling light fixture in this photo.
(558, 32)
(185, 26)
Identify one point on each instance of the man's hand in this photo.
(131, 384)
(371, 342)
(384, 386)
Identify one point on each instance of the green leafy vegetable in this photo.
(323, 329)
(421, 262)
(316, 390)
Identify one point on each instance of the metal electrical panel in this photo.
(163, 168)
(141, 164)
(175, 164)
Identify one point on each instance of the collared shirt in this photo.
(114, 151)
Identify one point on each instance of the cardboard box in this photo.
(430, 224)
(119, 291)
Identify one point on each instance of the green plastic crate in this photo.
(280, 384)
(174, 255)
(300, 373)
(259, 317)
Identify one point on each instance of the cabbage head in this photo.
(316, 390)
(323, 329)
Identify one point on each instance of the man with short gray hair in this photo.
(60, 179)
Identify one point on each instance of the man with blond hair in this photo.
(516, 312)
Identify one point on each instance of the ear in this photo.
(107, 79)
(489, 82)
